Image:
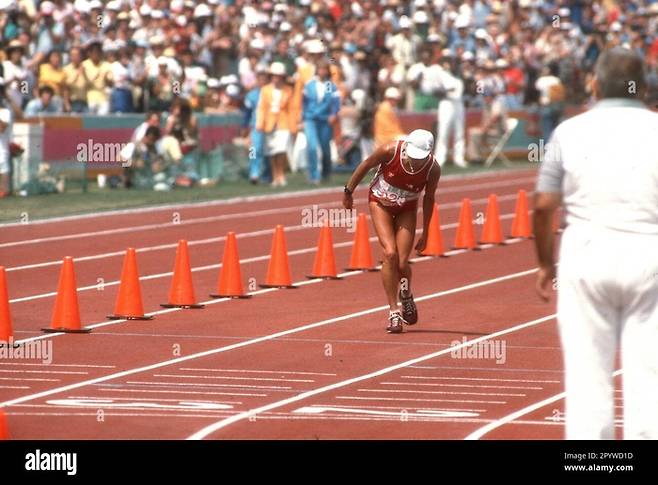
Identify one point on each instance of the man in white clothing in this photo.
(451, 115)
(603, 166)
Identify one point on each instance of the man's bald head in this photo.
(619, 73)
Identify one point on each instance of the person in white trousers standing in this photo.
(603, 165)
(451, 115)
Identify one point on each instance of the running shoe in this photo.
(395, 322)
(409, 310)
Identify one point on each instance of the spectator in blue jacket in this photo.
(259, 167)
(320, 105)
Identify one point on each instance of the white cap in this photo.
(212, 83)
(285, 27)
(257, 43)
(202, 10)
(420, 3)
(405, 23)
(157, 14)
(419, 144)
(461, 22)
(501, 63)
(615, 26)
(181, 20)
(481, 34)
(176, 6)
(95, 5)
(145, 10)
(420, 17)
(232, 90)
(392, 92)
(315, 46)
(467, 56)
(163, 61)
(564, 12)
(47, 7)
(278, 69)
(358, 95)
(113, 5)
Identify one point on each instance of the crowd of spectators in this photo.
(124, 56)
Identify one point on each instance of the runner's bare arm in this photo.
(428, 204)
(382, 154)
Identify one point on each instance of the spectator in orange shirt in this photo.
(387, 126)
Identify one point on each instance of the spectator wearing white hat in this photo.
(16, 75)
(387, 126)
(275, 119)
(247, 65)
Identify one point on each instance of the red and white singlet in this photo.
(394, 187)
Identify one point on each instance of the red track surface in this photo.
(266, 370)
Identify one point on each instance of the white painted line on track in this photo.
(480, 432)
(245, 415)
(265, 338)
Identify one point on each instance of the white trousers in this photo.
(451, 119)
(608, 299)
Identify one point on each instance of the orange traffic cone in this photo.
(129, 300)
(181, 291)
(434, 243)
(66, 314)
(4, 428)
(6, 332)
(278, 270)
(361, 258)
(492, 233)
(229, 284)
(465, 238)
(521, 221)
(324, 265)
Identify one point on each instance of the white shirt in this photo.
(5, 138)
(605, 164)
(544, 85)
(429, 76)
(453, 86)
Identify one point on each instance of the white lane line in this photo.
(43, 371)
(255, 198)
(253, 293)
(14, 387)
(253, 259)
(176, 391)
(370, 406)
(156, 399)
(234, 378)
(498, 369)
(245, 415)
(479, 433)
(241, 215)
(34, 379)
(259, 371)
(61, 365)
(218, 239)
(530, 388)
(482, 379)
(273, 336)
(468, 401)
(207, 384)
(454, 393)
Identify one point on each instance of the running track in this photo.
(312, 362)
